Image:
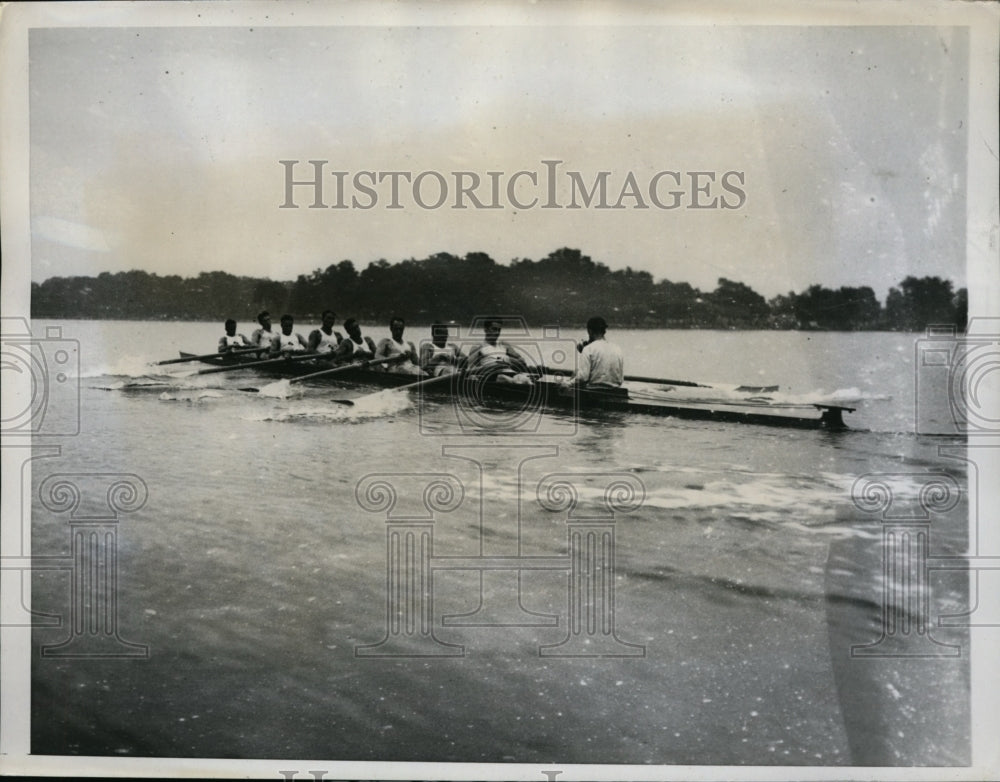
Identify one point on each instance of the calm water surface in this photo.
(743, 574)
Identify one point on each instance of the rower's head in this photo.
(491, 329)
(597, 327)
(439, 334)
(396, 326)
(264, 319)
(353, 329)
(231, 327)
(287, 322)
(329, 318)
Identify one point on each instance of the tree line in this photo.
(565, 288)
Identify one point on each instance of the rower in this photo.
(288, 341)
(405, 353)
(231, 341)
(355, 346)
(439, 356)
(264, 336)
(497, 360)
(601, 364)
(324, 339)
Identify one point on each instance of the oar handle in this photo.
(207, 355)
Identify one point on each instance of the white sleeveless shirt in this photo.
(288, 343)
(327, 342)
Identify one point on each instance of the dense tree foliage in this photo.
(822, 308)
(566, 287)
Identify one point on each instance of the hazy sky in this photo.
(158, 148)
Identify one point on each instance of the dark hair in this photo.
(328, 312)
(263, 314)
(597, 324)
(350, 322)
(395, 318)
(287, 317)
(230, 322)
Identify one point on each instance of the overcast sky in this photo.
(158, 148)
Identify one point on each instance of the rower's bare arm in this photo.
(423, 360)
(344, 350)
(474, 357)
(520, 357)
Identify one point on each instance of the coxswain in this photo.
(497, 360)
(231, 341)
(407, 362)
(439, 356)
(325, 340)
(288, 341)
(601, 364)
(263, 337)
(355, 346)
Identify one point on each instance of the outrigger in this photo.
(753, 409)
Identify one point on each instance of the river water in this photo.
(739, 589)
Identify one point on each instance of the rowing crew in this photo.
(324, 341)
(600, 363)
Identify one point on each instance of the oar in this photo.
(666, 382)
(408, 387)
(634, 378)
(280, 387)
(251, 364)
(207, 355)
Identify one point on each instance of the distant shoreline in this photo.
(566, 286)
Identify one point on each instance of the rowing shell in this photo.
(553, 394)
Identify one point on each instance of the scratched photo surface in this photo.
(761, 549)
